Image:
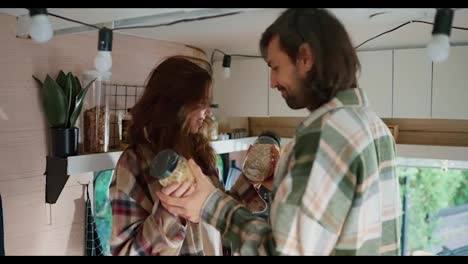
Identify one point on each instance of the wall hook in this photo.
(84, 184)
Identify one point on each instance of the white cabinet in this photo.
(450, 86)
(412, 74)
(399, 83)
(245, 93)
(376, 80)
(278, 107)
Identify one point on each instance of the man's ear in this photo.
(305, 58)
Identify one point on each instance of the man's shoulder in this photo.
(350, 121)
(341, 127)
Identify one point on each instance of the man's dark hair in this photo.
(335, 60)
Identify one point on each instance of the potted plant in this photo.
(62, 100)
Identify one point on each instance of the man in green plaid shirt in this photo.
(335, 188)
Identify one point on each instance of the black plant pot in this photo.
(63, 142)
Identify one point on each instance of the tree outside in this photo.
(429, 191)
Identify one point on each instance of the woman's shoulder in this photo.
(133, 160)
(128, 159)
(131, 169)
(136, 153)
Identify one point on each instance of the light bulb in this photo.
(227, 72)
(103, 61)
(40, 29)
(439, 48)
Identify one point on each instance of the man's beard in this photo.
(300, 99)
(292, 102)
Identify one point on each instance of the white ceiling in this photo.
(240, 33)
(94, 15)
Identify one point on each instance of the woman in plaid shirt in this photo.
(335, 188)
(172, 113)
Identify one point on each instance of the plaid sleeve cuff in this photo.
(244, 192)
(218, 209)
(235, 222)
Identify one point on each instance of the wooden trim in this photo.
(435, 132)
(276, 121)
(436, 125)
(283, 126)
(433, 138)
(394, 129)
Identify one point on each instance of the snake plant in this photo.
(62, 99)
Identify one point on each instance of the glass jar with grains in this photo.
(169, 167)
(261, 157)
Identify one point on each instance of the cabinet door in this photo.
(412, 77)
(245, 93)
(450, 86)
(376, 80)
(277, 104)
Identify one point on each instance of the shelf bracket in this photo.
(56, 178)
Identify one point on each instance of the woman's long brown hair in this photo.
(176, 87)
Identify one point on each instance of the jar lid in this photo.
(163, 164)
(269, 137)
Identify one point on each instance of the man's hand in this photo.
(192, 197)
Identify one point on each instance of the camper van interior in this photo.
(56, 167)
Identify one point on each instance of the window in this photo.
(435, 205)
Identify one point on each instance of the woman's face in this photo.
(197, 117)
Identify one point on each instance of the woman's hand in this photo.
(191, 196)
(179, 190)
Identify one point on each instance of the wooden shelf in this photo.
(92, 162)
(104, 161)
(58, 170)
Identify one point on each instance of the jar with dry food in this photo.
(169, 167)
(126, 121)
(95, 114)
(261, 158)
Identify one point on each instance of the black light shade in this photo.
(105, 39)
(37, 11)
(443, 21)
(227, 61)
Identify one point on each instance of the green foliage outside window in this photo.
(430, 190)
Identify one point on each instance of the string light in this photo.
(40, 28)
(103, 59)
(439, 48)
(41, 31)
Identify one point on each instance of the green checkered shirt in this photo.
(335, 190)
